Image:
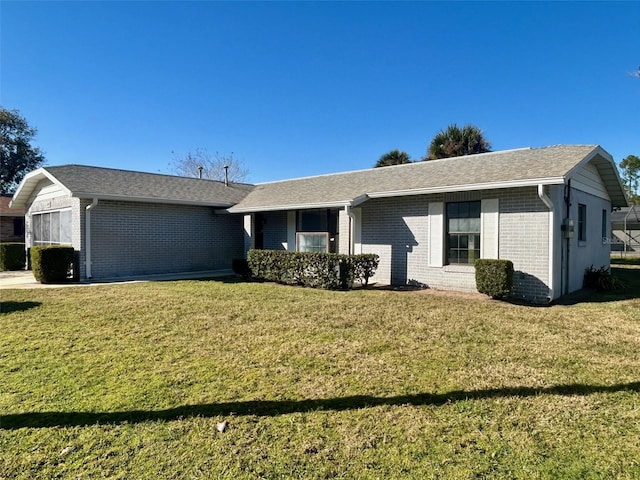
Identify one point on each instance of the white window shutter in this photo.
(291, 230)
(489, 228)
(436, 234)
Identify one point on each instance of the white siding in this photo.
(489, 228)
(436, 234)
(588, 180)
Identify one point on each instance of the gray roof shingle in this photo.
(86, 182)
(498, 169)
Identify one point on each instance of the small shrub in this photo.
(241, 267)
(318, 270)
(364, 266)
(601, 279)
(12, 256)
(494, 277)
(52, 263)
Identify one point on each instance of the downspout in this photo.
(87, 237)
(352, 222)
(547, 201)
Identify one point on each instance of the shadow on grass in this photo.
(630, 278)
(270, 408)
(8, 307)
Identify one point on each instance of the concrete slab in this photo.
(25, 279)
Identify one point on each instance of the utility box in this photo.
(567, 228)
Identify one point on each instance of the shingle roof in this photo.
(5, 210)
(107, 183)
(527, 166)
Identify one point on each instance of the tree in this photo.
(213, 166)
(17, 155)
(394, 157)
(455, 142)
(630, 167)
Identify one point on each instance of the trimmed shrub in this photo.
(601, 279)
(52, 263)
(240, 267)
(364, 266)
(317, 270)
(494, 277)
(12, 256)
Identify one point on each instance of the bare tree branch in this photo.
(212, 165)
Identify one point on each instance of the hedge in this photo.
(494, 277)
(12, 256)
(364, 266)
(311, 269)
(52, 263)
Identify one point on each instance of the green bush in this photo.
(12, 256)
(364, 266)
(494, 277)
(601, 279)
(319, 270)
(52, 263)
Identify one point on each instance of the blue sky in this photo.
(296, 89)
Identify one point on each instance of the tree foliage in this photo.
(394, 157)
(212, 166)
(17, 155)
(454, 141)
(630, 167)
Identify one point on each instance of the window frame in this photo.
(470, 236)
(43, 219)
(299, 235)
(582, 222)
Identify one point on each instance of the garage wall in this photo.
(129, 239)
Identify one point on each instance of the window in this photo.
(51, 228)
(463, 232)
(18, 227)
(312, 242)
(582, 222)
(317, 230)
(605, 227)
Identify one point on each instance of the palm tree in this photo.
(455, 142)
(394, 157)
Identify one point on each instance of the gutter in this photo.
(352, 225)
(87, 236)
(547, 201)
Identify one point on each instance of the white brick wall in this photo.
(131, 238)
(397, 229)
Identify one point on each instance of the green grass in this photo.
(617, 260)
(129, 381)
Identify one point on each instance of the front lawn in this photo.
(132, 381)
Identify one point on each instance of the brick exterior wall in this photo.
(397, 229)
(8, 230)
(275, 230)
(129, 238)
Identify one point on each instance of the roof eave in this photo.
(469, 187)
(614, 187)
(171, 201)
(285, 207)
(28, 185)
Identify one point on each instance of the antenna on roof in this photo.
(226, 175)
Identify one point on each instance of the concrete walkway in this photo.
(25, 279)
